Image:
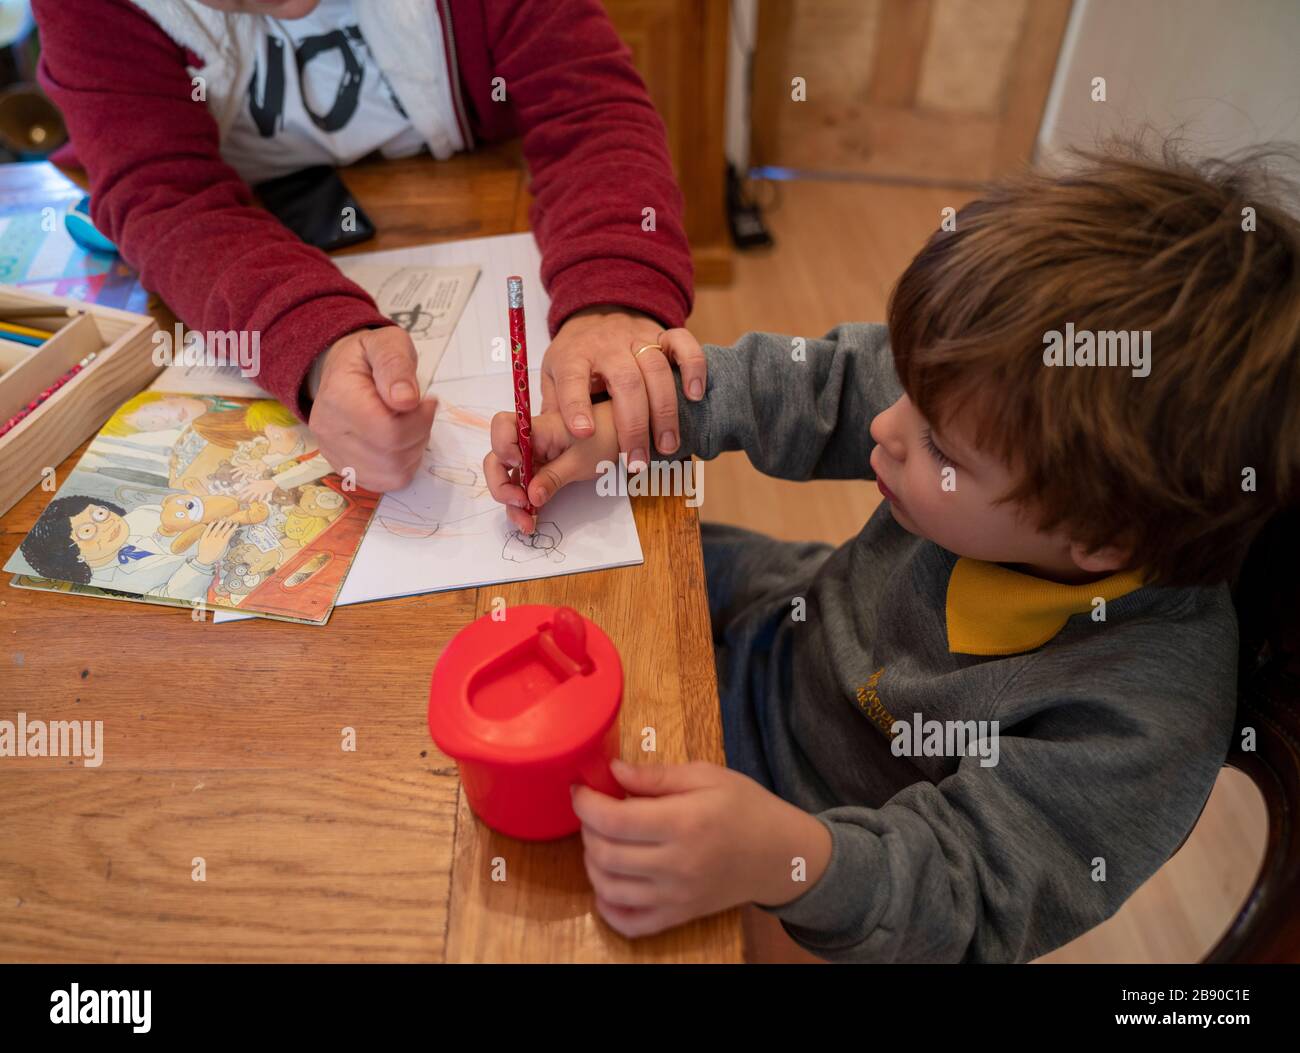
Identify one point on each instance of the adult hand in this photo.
(595, 349)
(367, 414)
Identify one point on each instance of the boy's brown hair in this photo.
(1158, 463)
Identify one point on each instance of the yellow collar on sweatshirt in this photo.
(993, 610)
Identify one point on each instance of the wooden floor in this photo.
(839, 248)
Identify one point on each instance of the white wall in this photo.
(743, 26)
(1226, 71)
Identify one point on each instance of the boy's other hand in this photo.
(693, 839)
(558, 459)
(367, 414)
(595, 349)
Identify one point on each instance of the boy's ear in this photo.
(1104, 560)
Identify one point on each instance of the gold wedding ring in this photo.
(647, 347)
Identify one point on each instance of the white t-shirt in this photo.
(316, 97)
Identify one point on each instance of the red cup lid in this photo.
(541, 683)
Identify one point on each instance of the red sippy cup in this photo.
(528, 706)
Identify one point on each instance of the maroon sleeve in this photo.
(179, 214)
(597, 156)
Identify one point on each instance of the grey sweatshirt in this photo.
(1110, 734)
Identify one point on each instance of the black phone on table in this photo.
(315, 205)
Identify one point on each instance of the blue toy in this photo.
(83, 231)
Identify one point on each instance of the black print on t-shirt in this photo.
(268, 111)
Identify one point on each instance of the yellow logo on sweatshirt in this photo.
(870, 704)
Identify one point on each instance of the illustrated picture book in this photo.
(200, 500)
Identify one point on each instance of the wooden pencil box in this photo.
(123, 365)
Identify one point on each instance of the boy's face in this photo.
(274, 8)
(940, 487)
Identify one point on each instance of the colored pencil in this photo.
(519, 367)
(13, 329)
(9, 314)
(13, 421)
(20, 338)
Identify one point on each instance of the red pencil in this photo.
(519, 367)
(21, 415)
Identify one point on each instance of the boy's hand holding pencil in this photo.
(558, 457)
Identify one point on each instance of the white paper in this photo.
(480, 344)
(207, 379)
(444, 531)
(425, 300)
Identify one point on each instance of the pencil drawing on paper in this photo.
(464, 509)
(449, 497)
(543, 543)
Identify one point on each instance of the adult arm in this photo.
(597, 157)
(179, 214)
(607, 212)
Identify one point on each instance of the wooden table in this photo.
(223, 744)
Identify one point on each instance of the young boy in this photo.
(1047, 580)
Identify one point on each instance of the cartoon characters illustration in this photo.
(316, 509)
(155, 412)
(235, 586)
(187, 515)
(261, 436)
(320, 501)
(159, 508)
(90, 542)
(247, 558)
(138, 441)
(276, 458)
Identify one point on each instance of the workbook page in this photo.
(444, 531)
